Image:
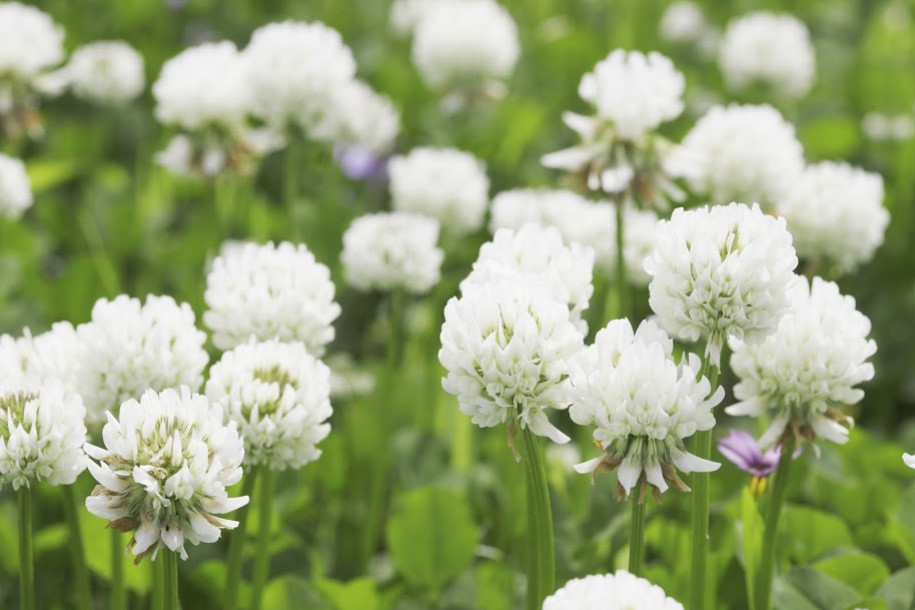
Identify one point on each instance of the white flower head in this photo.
(769, 49)
(42, 433)
(538, 252)
(129, 347)
(30, 42)
(799, 375)
(465, 44)
(835, 214)
(618, 591)
(294, 70)
(909, 460)
(204, 87)
(634, 92)
(405, 15)
(721, 272)
(642, 405)
(103, 72)
(507, 348)
(270, 292)
(164, 471)
(15, 188)
(279, 397)
(744, 153)
(684, 23)
(443, 183)
(392, 251)
(51, 356)
(362, 117)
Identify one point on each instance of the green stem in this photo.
(157, 591)
(170, 579)
(102, 261)
(637, 535)
(622, 284)
(262, 549)
(541, 567)
(26, 560)
(118, 586)
(776, 500)
(77, 551)
(700, 514)
(236, 546)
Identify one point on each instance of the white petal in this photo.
(590, 465)
(687, 462)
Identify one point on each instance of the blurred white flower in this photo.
(877, 126)
(163, 473)
(443, 183)
(465, 45)
(642, 405)
(294, 70)
(51, 356)
(538, 253)
(721, 272)
(406, 14)
(683, 23)
(104, 72)
(42, 433)
(745, 153)
(639, 234)
(279, 397)
(835, 214)
(15, 188)
(362, 117)
(769, 49)
(347, 378)
(208, 154)
(618, 591)
(392, 251)
(270, 292)
(129, 347)
(909, 460)
(30, 42)
(507, 348)
(799, 375)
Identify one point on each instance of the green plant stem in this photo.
(637, 536)
(541, 566)
(236, 548)
(773, 512)
(118, 586)
(26, 560)
(170, 579)
(77, 551)
(622, 283)
(700, 514)
(157, 591)
(262, 549)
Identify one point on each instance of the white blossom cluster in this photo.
(808, 367)
(392, 251)
(102, 72)
(684, 24)
(30, 42)
(15, 188)
(618, 591)
(50, 356)
(164, 471)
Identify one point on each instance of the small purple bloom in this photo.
(743, 450)
(360, 163)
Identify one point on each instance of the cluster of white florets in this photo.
(618, 591)
(103, 72)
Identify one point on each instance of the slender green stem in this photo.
(622, 283)
(262, 550)
(637, 536)
(541, 566)
(157, 591)
(396, 314)
(170, 579)
(104, 266)
(118, 586)
(26, 560)
(224, 196)
(776, 500)
(77, 551)
(236, 546)
(700, 514)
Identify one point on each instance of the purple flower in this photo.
(743, 450)
(360, 163)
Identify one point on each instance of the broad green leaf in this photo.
(899, 590)
(752, 526)
(45, 175)
(808, 533)
(863, 571)
(831, 136)
(496, 586)
(359, 593)
(803, 588)
(294, 592)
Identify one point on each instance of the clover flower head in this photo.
(618, 591)
(102, 72)
(362, 118)
(15, 188)
(30, 42)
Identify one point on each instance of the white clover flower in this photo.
(642, 405)
(618, 591)
(15, 188)
(683, 23)
(769, 49)
(721, 272)
(362, 117)
(538, 252)
(163, 473)
(279, 397)
(639, 234)
(745, 153)
(294, 69)
(129, 347)
(104, 72)
(405, 15)
(270, 292)
(202, 87)
(51, 356)
(443, 183)
(634, 92)
(799, 375)
(42, 433)
(465, 44)
(835, 214)
(909, 460)
(507, 348)
(30, 42)
(392, 251)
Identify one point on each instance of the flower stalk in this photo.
(262, 550)
(26, 559)
(77, 550)
(622, 286)
(118, 586)
(236, 548)
(541, 567)
(776, 500)
(637, 535)
(170, 580)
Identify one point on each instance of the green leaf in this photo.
(45, 175)
(899, 590)
(863, 571)
(294, 592)
(804, 588)
(432, 537)
(831, 136)
(808, 533)
(98, 553)
(359, 593)
(752, 526)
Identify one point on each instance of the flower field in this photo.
(457, 305)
